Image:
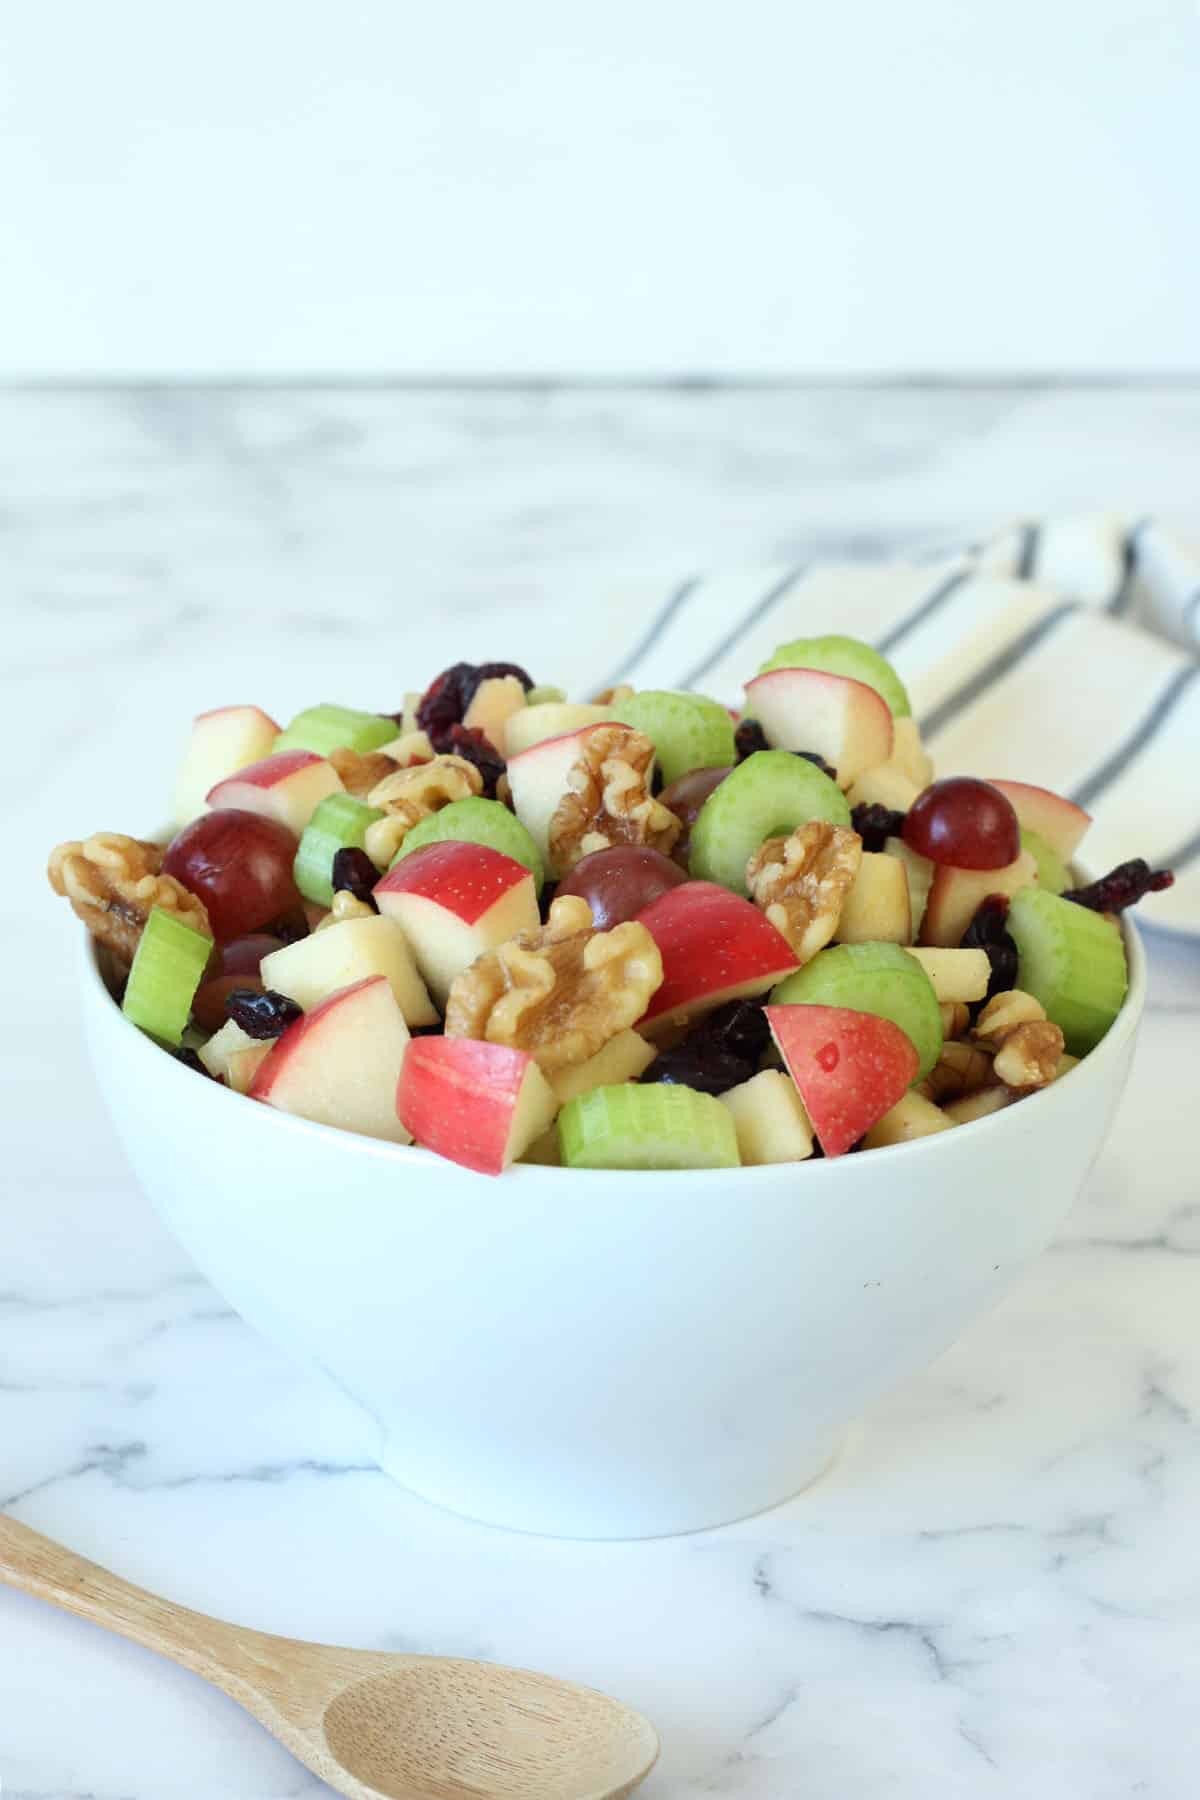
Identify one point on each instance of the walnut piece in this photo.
(608, 799)
(409, 795)
(345, 906)
(561, 992)
(359, 774)
(113, 881)
(802, 882)
(1027, 1046)
(960, 1069)
(1028, 1057)
(955, 1018)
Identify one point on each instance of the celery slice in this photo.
(168, 965)
(327, 727)
(339, 823)
(660, 1126)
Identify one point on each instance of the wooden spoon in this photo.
(375, 1726)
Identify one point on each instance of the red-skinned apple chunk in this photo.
(1059, 821)
(844, 721)
(849, 1067)
(955, 895)
(340, 1064)
(481, 1105)
(454, 901)
(221, 741)
(288, 786)
(715, 947)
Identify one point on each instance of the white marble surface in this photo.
(996, 1590)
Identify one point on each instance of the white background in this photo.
(466, 187)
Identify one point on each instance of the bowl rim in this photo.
(412, 1156)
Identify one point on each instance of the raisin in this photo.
(874, 824)
(987, 932)
(289, 928)
(740, 1027)
(748, 738)
(817, 762)
(547, 900)
(447, 698)
(190, 1060)
(477, 749)
(355, 873)
(261, 1015)
(1123, 886)
(702, 1064)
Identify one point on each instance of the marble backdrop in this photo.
(996, 1591)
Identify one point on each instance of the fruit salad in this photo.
(641, 932)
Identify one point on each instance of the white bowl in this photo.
(587, 1354)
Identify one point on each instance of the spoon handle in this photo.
(38, 1566)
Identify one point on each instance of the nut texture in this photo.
(345, 906)
(409, 795)
(113, 881)
(1003, 1013)
(802, 882)
(1028, 1057)
(359, 774)
(561, 992)
(608, 799)
(960, 1069)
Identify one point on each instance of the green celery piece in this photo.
(168, 966)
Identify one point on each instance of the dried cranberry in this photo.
(740, 1027)
(700, 1063)
(447, 698)
(748, 738)
(818, 762)
(479, 750)
(289, 928)
(355, 873)
(987, 932)
(265, 1015)
(190, 1060)
(1123, 886)
(547, 900)
(874, 824)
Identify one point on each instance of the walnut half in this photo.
(608, 799)
(408, 795)
(802, 882)
(561, 992)
(113, 881)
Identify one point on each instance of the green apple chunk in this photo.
(662, 1126)
(873, 978)
(844, 656)
(1073, 961)
(168, 964)
(766, 796)
(339, 823)
(477, 821)
(688, 731)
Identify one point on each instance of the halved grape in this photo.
(339, 823)
(1073, 961)
(633, 1127)
(766, 796)
(328, 727)
(240, 864)
(876, 978)
(477, 821)
(688, 731)
(618, 883)
(168, 964)
(847, 656)
(1053, 874)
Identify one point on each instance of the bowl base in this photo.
(583, 1525)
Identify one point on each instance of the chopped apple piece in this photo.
(481, 1105)
(495, 701)
(715, 947)
(846, 722)
(912, 1117)
(956, 894)
(347, 952)
(222, 742)
(850, 1067)
(623, 1058)
(885, 785)
(769, 1118)
(878, 908)
(919, 872)
(455, 900)
(221, 1046)
(288, 786)
(977, 1105)
(1049, 815)
(340, 1064)
(955, 974)
(909, 754)
(553, 718)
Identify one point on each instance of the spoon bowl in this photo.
(373, 1726)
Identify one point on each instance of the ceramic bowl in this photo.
(586, 1354)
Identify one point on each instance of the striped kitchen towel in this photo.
(1063, 653)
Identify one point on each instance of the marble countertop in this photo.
(995, 1591)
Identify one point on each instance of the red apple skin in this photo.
(712, 942)
(267, 773)
(457, 1096)
(1058, 820)
(850, 1068)
(467, 879)
(240, 865)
